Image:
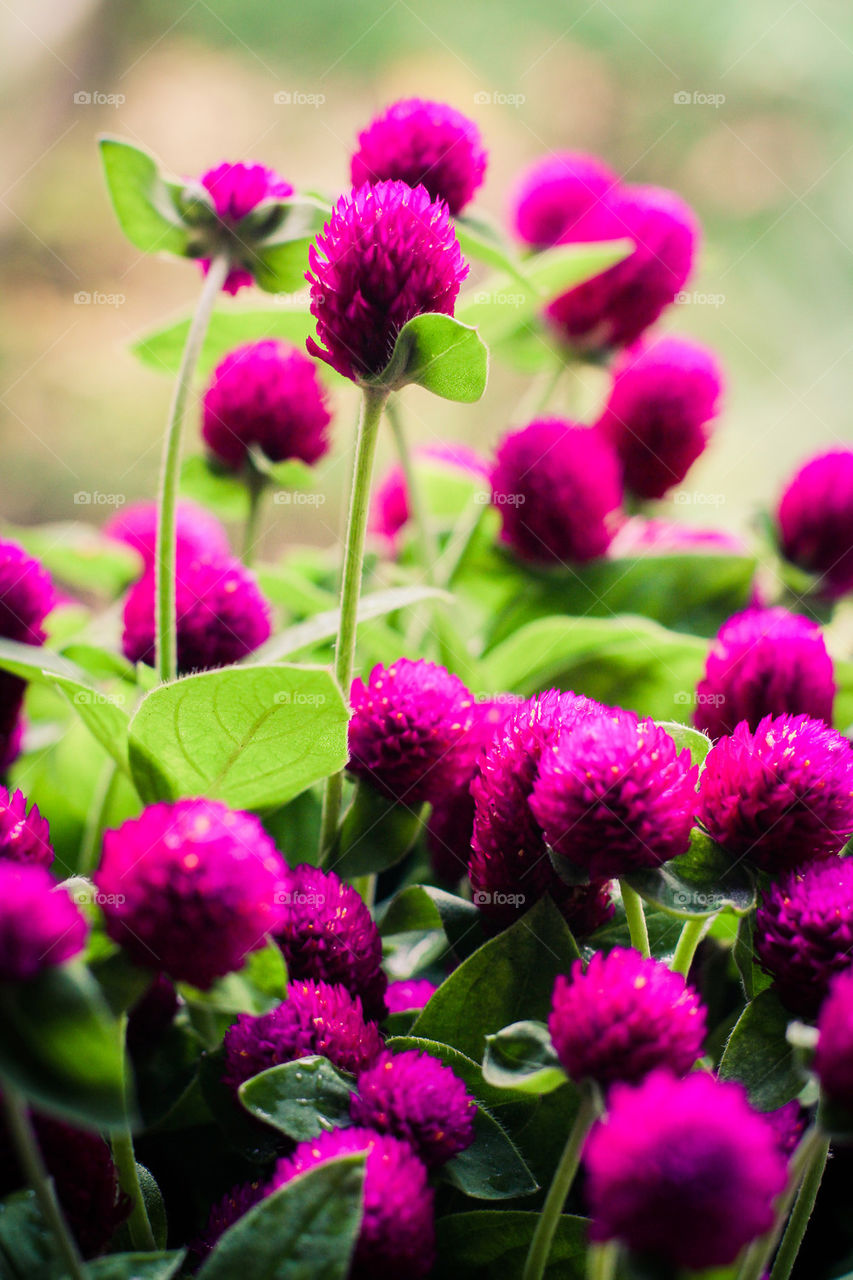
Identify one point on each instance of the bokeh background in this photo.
(744, 108)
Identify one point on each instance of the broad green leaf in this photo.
(78, 554)
(555, 270)
(144, 201)
(27, 1247)
(136, 1266)
(522, 1057)
(759, 1056)
(493, 1245)
(254, 737)
(291, 474)
(484, 242)
(698, 744)
(423, 907)
(700, 883)
(281, 268)
(301, 1099)
(306, 1229)
(440, 354)
(163, 348)
(34, 662)
(492, 1168)
(376, 833)
(255, 1142)
(99, 662)
(222, 492)
(103, 715)
(257, 987)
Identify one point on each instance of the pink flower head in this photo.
(221, 614)
(413, 1096)
(683, 1170)
(268, 396)
(423, 143)
(410, 731)
(804, 932)
(237, 189)
(328, 934)
(833, 1060)
(199, 533)
(190, 888)
(389, 506)
(789, 1123)
(27, 595)
(764, 662)
(387, 254)
(560, 197)
(622, 1017)
(615, 794)
(663, 397)
(397, 1231)
(641, 536)
(815, 520)
(316, 1018)
(40, 926)
(557, 487)
(24, 837)
(411, 994)
(780, 796)
(229, 1209)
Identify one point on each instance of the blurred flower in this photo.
(815, 519)
(409, 994)
(833, 1060)
(24, 837)
(413, 1096)
(27, 596)
(780, 796)
(423, 143)
(556, 486)
(560, 197)
(198, 532)
(190, 888)
(386, 255)
(640, 536)
(151, 1016)
(789, 1123)
(389, 506)
(237, 189)
(225, 1212)
(40, 926)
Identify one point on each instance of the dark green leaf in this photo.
(440, 354)
(376, 833)
(27, 1248)
(421, 906)
(144, 201)
(281, 268)
(700, 883)
(492, 1168)
(136, 1266)
(302, 1098)
(493, 1245)
(522, 1057)
(759, 1056)
(162, 349)
(255, 1142)
(497, 1101)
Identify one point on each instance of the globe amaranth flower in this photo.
(410, 733)
(509, 868)
(24, 836)
(190, 888)
(221, 614)
(815, 519)
(788, 1123)
(387, 254)
(557, 488)
(390, 508)
(224, 1213)
(780, 796)
(197, 531)
(413, 1096)
(327, 934)
(833, 1060)
(641, 536)
(622, 1017)
(409, 994)
(615, 794)
(616, 306)
(423, 143)
(559, 197)
(682, 1170)
(237, 189)
(804, 932)
(27, 596)
(268, 396)
(663, 397)
(316, 1018)
(40, 926)
(396, 1237)
(764, 662)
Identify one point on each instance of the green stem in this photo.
(636, 917)
(602, 1260)
(758, 1256)
(141, 1235)
(427, 542)
(688, 941)
(564, 1176)
(743, 955)
(32, 1164)
(802, 1212)
(166, 639)
(90, 845)
(256, 483)
(373, 402)
(460, 541)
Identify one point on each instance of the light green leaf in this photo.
(144, 201)
(162, 349)
(281, 268)
(79, 555)
(301, 1099)
(698, 744)
(522, 1057)
(440, 354)
(103, 715)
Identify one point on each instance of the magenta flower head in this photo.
(413, 1096)
(641, 536)
(268, 396)
(26, 595)
(229, 1209)
(410, 733)
(557, 487)
(199, 533)
(804, 932)
(409, 994)
(24, 837)
(423, 143)
(815, 520)
(397, 1236)
(562, 197)
(316, 1018)
(789, 1123)
(237, 189)
(663, 397)
(683, 1170)
(833, 1060)
(615, 794)
(327, 934)
(190, 888)
(615, 307)
(764, 662)
(387, 254)
(221, 614)
(40, 926)
(624, 1016)
(781, 796)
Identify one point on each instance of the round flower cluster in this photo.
(833, 1060)
(558, 197)
(197, 531)
(27, 596)
(409, 994)
(413, 1096)
(237, 189)
(815, 520)
(24, 836)
(40, 926)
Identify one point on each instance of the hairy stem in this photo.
(636, 918)
(802, 1211)
(758, 1256)
(564, 1176)
(688, 941)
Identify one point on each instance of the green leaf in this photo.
(34, 662)
(79, 555)
(136, 1266)
(27, 1247)
(163, 348)
(62, 1047)
(698, 744)
(440, 354)
(497, 1101)
(254, 737)
(152, 1197)
(493, 1245)
(556, 270)
(307, 1228)
(376, 833)
(423, 907)
(699, 884)
(255, 1143)
(484, 242)
(301, 1099)
(99, 662)
(102, 715)
(510, 977)
(281, 268)
(222, 492)
(144, 201)
(759, 1056)
(522, 1057)
(492, 1168)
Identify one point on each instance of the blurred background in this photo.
(744, 109)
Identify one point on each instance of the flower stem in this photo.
(688, 941)
(602, 1260)
(30, 1157)
(373, 402)
(636, 917)
(758, 1256)
(138, 1225)
(166, 639)
(564, 1176)
(256, 483)
(96, 817)
(802, 1211)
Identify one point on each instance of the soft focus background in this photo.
(744, 108)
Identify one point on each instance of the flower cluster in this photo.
(414, 1097)
(27, 596)
(40, 926)
(237, 189)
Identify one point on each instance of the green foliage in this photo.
(301, 1099)
(759, 1056)
(522, 1057)
(700, 883)
(441, 354)
(493, 1244)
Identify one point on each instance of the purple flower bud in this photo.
(199, 533)
(237, 189)
(39, 924)
(24, 837)
(411, 994)
(413, 1096)
(815, 519)
(562, 197)
(640, 536)
(833, 1060)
